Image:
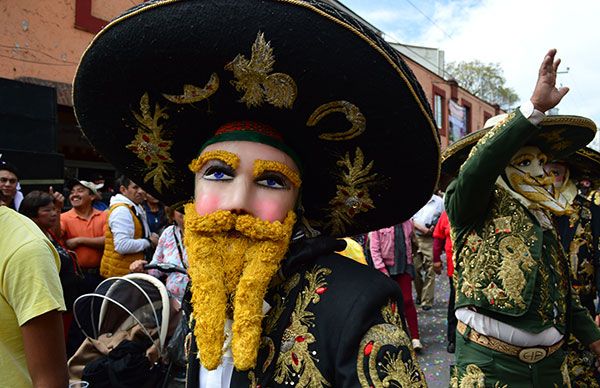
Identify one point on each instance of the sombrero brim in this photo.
(148, 67)
(559, 137)
(585, 163)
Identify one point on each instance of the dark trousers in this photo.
(452, 321)
(75, 336)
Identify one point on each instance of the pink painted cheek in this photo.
(270, 210)
(207, 203)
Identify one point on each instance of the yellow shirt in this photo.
(29, 287)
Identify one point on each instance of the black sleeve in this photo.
(374, 344)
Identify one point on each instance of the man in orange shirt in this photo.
(82, 230)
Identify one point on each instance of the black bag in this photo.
(124, 367)
(176, 345)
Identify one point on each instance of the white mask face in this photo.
(527, 177)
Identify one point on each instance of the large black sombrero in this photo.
(585, 163)
(158, 81)
(559, 138)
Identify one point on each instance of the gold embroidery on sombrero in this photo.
(497, 128)
(193, 93)
(149, 145)
(398, 367)
(229, 158)
(553, 136)
(296, 360)
(254, 80)
(260, 166)
(352, 197)
(352, 113)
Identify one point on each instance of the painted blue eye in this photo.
(272, 182)
(217, 174)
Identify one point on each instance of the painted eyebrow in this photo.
(260, 166)
(521, 157)
(229, 158)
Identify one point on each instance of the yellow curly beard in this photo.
(231, 258)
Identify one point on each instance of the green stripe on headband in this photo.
(254, 137)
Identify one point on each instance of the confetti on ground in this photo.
(434, 360)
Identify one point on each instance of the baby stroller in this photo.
(126, 324)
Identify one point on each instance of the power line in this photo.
(26, 49)
(32, 51)
(38, 62)
(428, 18)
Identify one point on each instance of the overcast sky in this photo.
(514, 33)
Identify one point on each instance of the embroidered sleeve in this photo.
(468, 195)
(385, 355)
(375, 348)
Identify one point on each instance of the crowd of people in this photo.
(267, 203)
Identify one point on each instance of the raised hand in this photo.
(59, 199)
(546, 95)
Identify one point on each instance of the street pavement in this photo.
(434, 360)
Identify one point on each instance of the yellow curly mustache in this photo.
(232, 259)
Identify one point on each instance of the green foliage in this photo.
(485, 81)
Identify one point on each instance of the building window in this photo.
(439, 113)
(468, 113)
(438, 107)
(486, 117)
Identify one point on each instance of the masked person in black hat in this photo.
(579, 230)
(252, 114)
(514, 299)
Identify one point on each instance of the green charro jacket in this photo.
(507, 266)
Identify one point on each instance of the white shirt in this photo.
(221, 377)
(430, 213)
(505, 332)
(122, 227)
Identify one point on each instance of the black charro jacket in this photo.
(333, 323)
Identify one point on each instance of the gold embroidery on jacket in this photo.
(352, 197)
(494, 266)
(581, 250)
(254, 80)
(149, 145)
(399, 367)
(559, 264)
(279, 303)
(296, 363)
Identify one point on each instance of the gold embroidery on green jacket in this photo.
(496, 265)
(580, 251)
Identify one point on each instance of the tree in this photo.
(485, 81)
